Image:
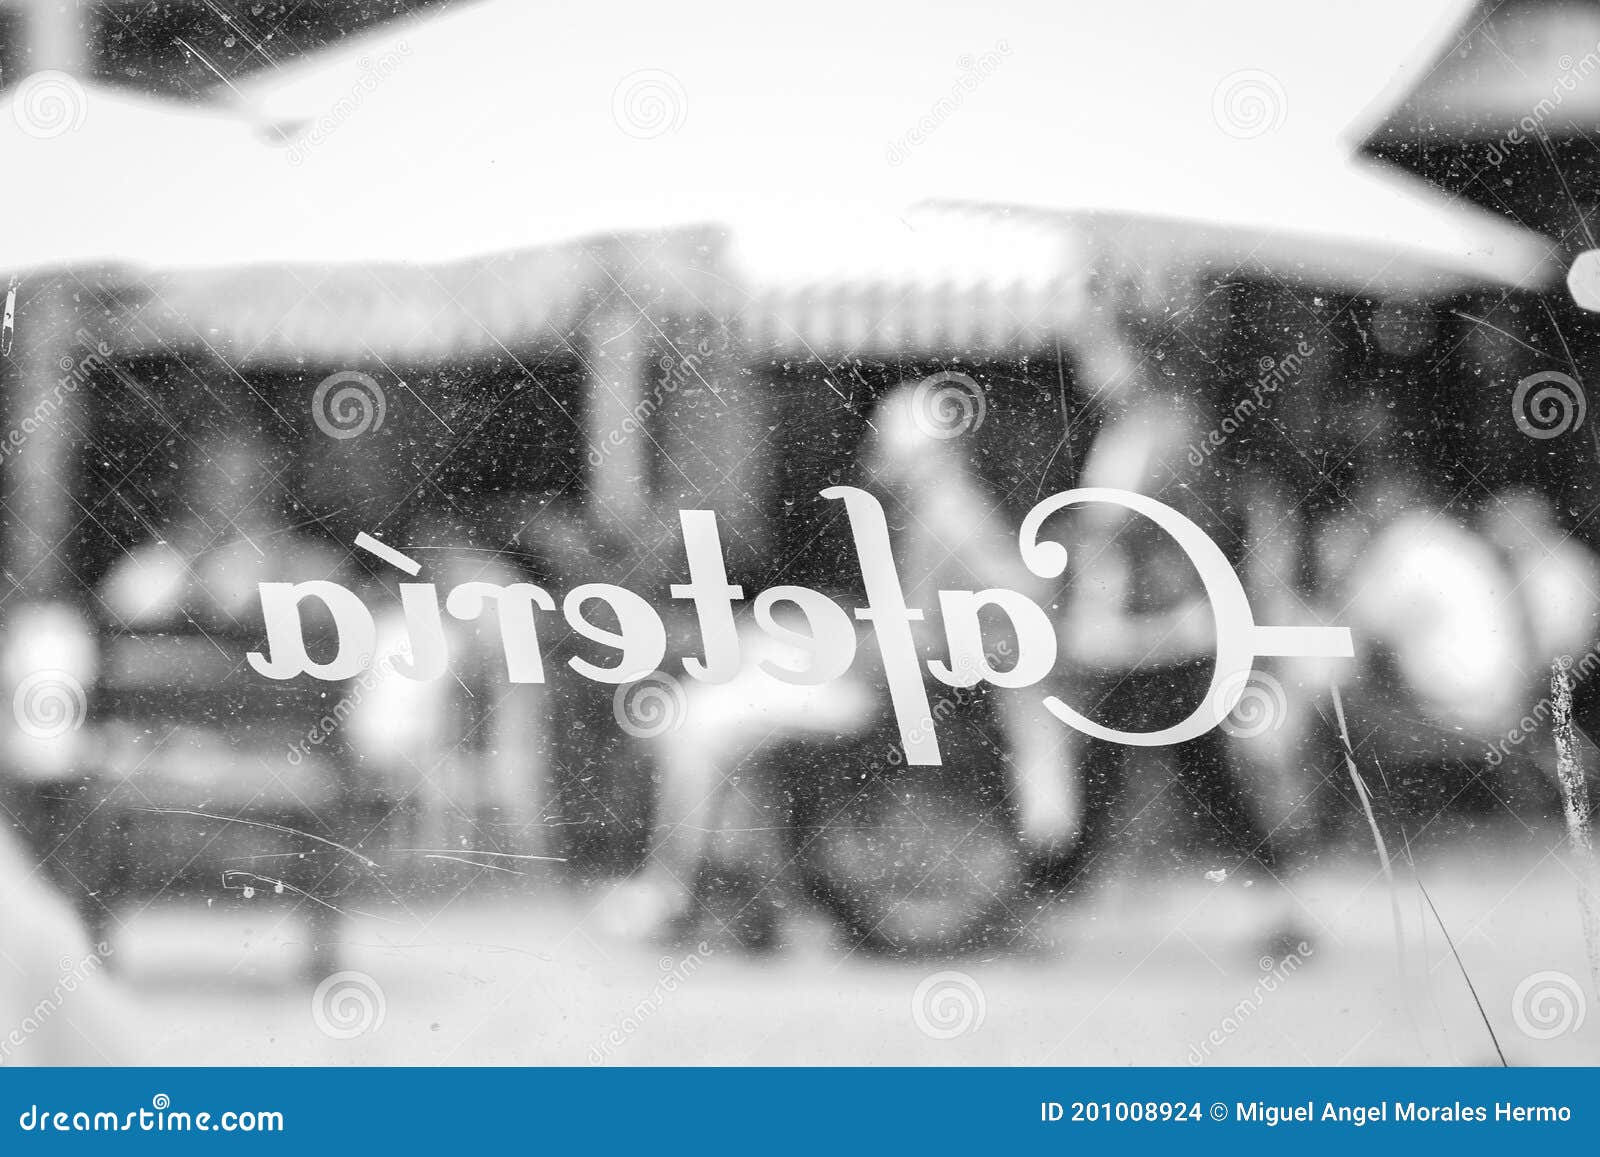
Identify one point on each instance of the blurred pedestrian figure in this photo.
(728, 771)
(1442, 662)
(1555, 578)
(1138, 626)
(56, 1005)
(722, 806)
(466, 754)
(954, 535)
(228, 535)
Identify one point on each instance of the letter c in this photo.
(1239, 639)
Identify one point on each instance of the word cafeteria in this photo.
(826, 646)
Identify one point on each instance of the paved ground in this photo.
(1155, 969)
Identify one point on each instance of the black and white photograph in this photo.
(883, 534)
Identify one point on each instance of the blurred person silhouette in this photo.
(1461, 618)
(228, 535)
(721, 810)
(1303, 535)
(1554, 580)
(724, 805)
(1138, 629)
(957, 536)
(1460, 613)
(1441, 658)
(57, 1005)
(467, 753)
(1554, 576)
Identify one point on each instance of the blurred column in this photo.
(41, 475)
(516, 764)
(58, 35)
(614, 351)
(605, 777)
(710, 431)
(46, 412)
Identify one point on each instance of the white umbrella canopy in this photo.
(97, 176)
(1229, 128)
(1517, 72)
(92, 178)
